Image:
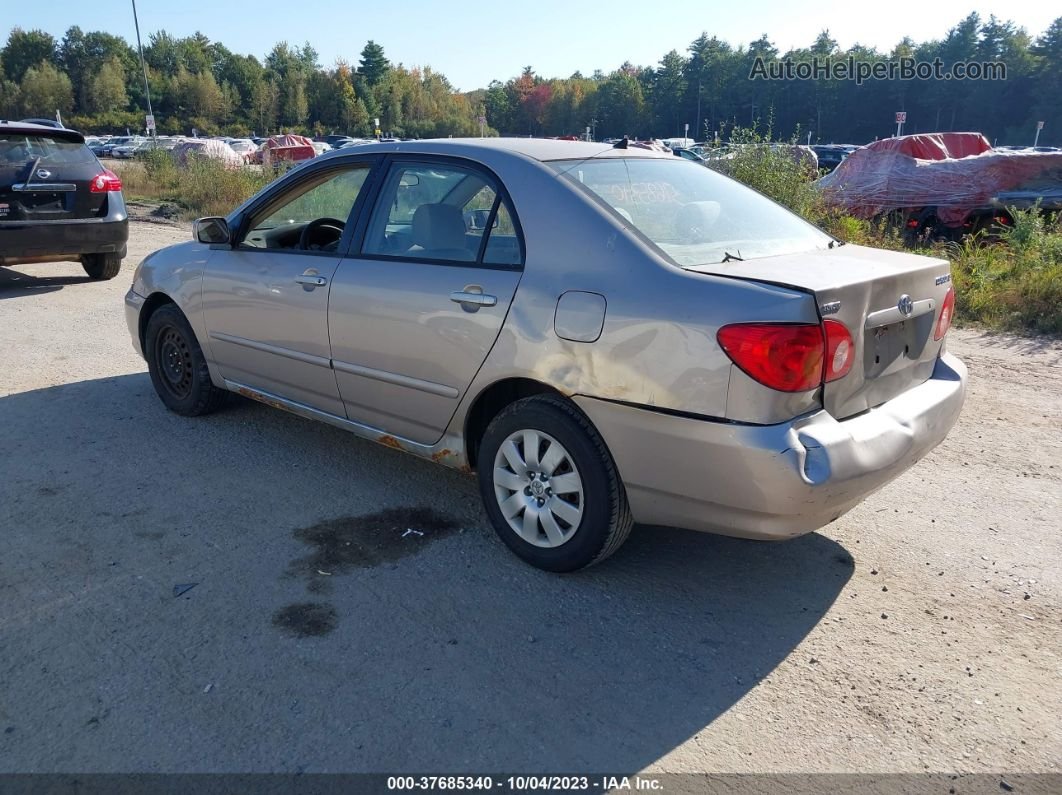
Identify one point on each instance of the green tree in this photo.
(374, 64)
(667, 88)
(107, 89)
(26, 49)
(45, 90)
(621, 107)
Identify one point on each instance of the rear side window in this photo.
(17, 150)
(442, 212)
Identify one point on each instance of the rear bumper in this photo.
(775, 481)
(41, 241)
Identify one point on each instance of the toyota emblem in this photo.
(43, 173)
(905, 305)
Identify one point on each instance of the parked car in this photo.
(245, 148)
(832, 155)
(210, 148)
(335, 141)
(57, 202)
(625, 336)
(107, 150)
(320, 147)
(97, 147)
(688, 154)
(130, 149)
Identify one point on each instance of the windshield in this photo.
(696, 216)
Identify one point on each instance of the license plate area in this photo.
(895, 346)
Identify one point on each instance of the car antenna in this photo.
(622, 144)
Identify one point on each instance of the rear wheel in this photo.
(102, 266)
(177, 366)
(550, 486)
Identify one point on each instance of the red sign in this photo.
(901, 116)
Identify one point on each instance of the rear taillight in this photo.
(947, 311)
(106, 182)
(840, 350)
(788, 358)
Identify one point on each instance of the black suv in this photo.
(57, 202)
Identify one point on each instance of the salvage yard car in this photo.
(603, 335)
(57, 202)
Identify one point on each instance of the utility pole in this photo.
(699, 99)
(143, 65)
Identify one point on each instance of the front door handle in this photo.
(470, 299)
(311, 280)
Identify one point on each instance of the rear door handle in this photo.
(311, 280)
(473, 299)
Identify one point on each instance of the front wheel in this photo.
(177, 366)
(550, 486)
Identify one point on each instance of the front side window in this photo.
(442, 212)
(309, 217)
(694, 215)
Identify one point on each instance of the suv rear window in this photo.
(16, 149)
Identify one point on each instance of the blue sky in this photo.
(474, 42)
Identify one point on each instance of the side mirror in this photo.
(212, 231)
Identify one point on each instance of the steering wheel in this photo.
(333, 224)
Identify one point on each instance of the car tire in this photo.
(567, 530)
(177, 366)
(102, 266)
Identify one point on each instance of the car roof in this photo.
(541, 149)
(27, 128)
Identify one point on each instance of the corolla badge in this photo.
(43, 173)
(905, 305)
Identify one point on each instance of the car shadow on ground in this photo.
(15, 284)
(282, 596)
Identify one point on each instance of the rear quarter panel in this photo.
(658, 343)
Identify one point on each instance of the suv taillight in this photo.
(106, 182)
(790, 357)
(947, 310)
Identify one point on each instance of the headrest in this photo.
(696, 219)
(437, 226)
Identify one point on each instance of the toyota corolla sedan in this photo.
(602, 335)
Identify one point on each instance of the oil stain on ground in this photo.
(306, 619)
(354, 542)
(351, 542)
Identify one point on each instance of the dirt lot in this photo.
(235, 593)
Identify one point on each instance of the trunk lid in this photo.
(863, 288)
(47, 177)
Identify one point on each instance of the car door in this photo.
(417, 305)
(265, 298)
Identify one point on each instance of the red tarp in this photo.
(287, 147)
(953, 172)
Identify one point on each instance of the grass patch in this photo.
(202, 187)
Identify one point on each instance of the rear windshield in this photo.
(16, 150)
(694, 215)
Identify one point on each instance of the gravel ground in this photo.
(239, 593)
